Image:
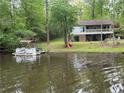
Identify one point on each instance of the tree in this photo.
(34, 16)
(64, 15)
(95, 9)
(47, 27)
(8, 38)
(117, 10)
(20, 19)
(92, 5)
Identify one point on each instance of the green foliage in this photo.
(34, 16)
(95, 9)
(20, 19)
(117, 8)
(8, 41)
(103, 9)
(25, 19)
(119, 32)
(63, 15)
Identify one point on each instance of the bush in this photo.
(9, 41)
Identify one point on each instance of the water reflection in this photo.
(20, 59)
(62, 73)
(93, 71)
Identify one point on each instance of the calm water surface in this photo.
(62, 73)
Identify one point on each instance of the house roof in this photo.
(96, 22)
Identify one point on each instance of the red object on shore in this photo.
(68, 45)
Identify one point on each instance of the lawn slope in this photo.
(58, 46)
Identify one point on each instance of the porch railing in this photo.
(98, 30)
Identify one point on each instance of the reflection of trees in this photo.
(92, 79)
(50, 74)
(92, 71)
(104, 73)
(96, 78)
(120, 61)
(37, 78)
(26, 77)
(8, 76)
(62, 75)
(117, 75)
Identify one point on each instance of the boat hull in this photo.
(26, 54)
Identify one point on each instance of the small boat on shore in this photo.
(28, 51)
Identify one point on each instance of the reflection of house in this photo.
(93, 30)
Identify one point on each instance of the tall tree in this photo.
(64, 15)
(47, 27)
(95, 9)
(117, 10)
(92, 5)
(8, 38)
(34, 16)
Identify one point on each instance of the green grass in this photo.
(58, 46)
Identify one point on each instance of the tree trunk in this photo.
(93, 9)
(47, 27)
(67, 44)
(65, 37)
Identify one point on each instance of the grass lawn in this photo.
(58, 46)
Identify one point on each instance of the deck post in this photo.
(85, 28)
(110, 28)
(101, 33)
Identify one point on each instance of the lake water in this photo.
(62, 73)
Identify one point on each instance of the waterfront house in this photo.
(93, 30)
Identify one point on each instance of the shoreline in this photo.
(83, 47)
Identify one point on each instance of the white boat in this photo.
(28, 51)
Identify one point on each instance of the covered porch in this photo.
(92, 37)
